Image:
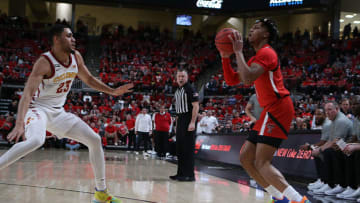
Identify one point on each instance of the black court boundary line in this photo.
(60, 189)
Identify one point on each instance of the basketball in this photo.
(222, 41)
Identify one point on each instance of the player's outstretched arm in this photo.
(41, 68)
(94, 83)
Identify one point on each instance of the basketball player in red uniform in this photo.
(272, 128)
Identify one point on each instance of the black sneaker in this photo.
(186, 178)
(174, 177)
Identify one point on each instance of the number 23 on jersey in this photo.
(63, 87)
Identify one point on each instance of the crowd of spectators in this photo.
(315, 70)
(149, 58)
(21, 44)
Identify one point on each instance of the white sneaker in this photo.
(315, 186)
(353, 196)
(348, 191)
(358, 200)
(322, 190)
(320, 198)
(316, 182)
(332, 199)
(336, 190)
(136, 152)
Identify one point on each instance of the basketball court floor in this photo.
(59, 176)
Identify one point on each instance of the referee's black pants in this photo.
(185, 144)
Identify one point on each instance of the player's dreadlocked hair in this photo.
(271, 27)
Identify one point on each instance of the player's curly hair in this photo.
(271, 27)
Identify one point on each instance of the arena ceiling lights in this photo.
(349, 17)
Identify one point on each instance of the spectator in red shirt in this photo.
(103, 108)
(130, 124)
(162, 122)
(5, 125)
(2, 120)
(95, 129)
(111, 133)
(237, 120)
(123, 132)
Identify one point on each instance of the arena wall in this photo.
(51, 18)
(126, 16)
(292, 22)
(4, 6)
(236, 23)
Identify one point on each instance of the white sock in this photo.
(274, 192)
(100, 184)
(292, 194)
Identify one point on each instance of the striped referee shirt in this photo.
(184, 97)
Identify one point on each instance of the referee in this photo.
(187, 108)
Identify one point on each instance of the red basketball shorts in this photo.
(275, 119)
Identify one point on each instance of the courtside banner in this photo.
(221, 148)
(289, 159)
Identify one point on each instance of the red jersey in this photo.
(2, 121)
(269, 86)
(122, 129)
(235, 121)
(110, 129)
(96, 130)
(130, 124)
(162, 122)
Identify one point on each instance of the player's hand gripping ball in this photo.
(223, 42)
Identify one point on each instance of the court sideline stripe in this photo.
(60, 189)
